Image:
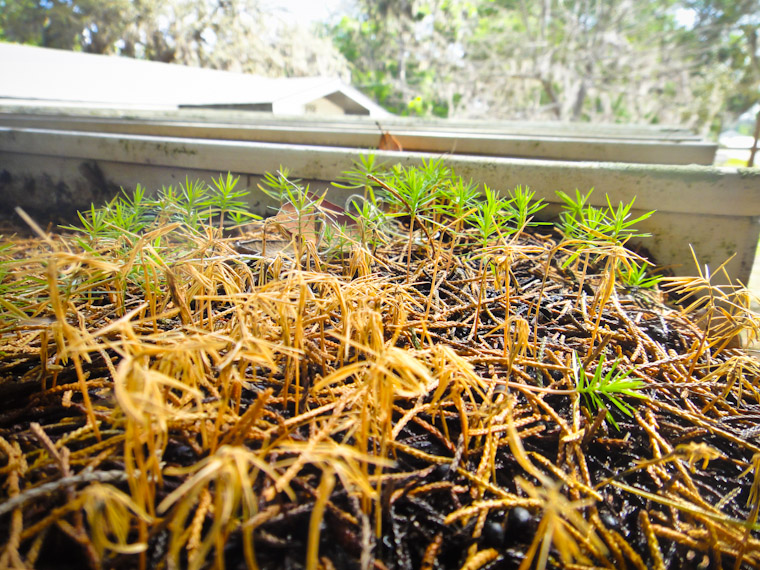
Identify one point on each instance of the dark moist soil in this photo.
(691, 519)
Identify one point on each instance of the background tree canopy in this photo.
(235, 35)
(689, 62)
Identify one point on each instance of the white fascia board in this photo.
(306, 89)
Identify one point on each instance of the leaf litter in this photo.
(407, 383)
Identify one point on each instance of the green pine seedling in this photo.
(366, 211)
(582, 221)
(521, 208)
(357, 178)
(572, 216)
(636, 276)
(94, 222)
(415, 192)
(620, 227)
(611, 386)
(194, 204)
(279, 186)
(224, 200)
(190, 201)
(489, 218)
(458, 197)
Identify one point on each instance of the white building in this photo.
(66, 78)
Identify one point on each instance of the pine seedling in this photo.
(224, 200)
(636, 276)
(458, 198)
(620, 228)
(366, 211)
(299, 208)
(94, 222)
(610, 386)
(580, 220)
(572, 217)
(412, 194)
(190, 201)
(358, 177)
(278, 185)
(489, 218)
(137, 205)
(335, 239)
(521, 208)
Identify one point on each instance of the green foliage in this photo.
(611, 387)
(286, 191)
(458, 197)
(13, 287)
(224, 200)
(504, 216)
(416, 190)
(395, 52)
(449, 58)
(730, 26)
(488, 218)
(357, 178)
(366, 211)
(522, 207)
(278, 185)
(582, 221)
(453, 58)
(445, 208)
(195, 203)
(93, 25)
(636, 276)
(432, 191)
(233, 34)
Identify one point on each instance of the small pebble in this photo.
(519, 523)
(494, 534)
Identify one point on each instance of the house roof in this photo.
(43, 74)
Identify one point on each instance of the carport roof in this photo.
(43, 74)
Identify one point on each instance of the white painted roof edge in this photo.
(83, 78)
